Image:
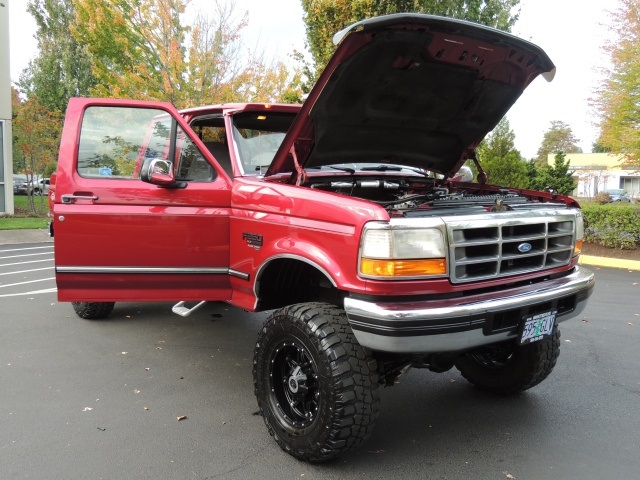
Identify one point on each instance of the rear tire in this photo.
(93, 310)
(508, 369)
(317, 388)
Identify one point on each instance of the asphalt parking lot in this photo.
(101, 399)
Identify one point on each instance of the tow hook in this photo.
(184, 311)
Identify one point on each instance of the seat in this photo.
(221, 153)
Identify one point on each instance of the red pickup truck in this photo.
(346, 215)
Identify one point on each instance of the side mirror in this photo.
(158, 171)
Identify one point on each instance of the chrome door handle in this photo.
(71, 198)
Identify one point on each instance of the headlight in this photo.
(577, 249)
(388, 252)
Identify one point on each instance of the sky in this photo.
(572, 32)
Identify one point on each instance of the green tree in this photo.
(323, 18)
(597, 147)
(616, 99)
(500, 159)
(560, 179)
(559, 138)
(62, 67)
(554, 177)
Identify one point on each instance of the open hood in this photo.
(410, 89)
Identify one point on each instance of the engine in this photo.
(421, 197)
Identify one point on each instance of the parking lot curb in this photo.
(16, 237)
(609, 262)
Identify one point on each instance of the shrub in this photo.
(602, 198)
(613, 225)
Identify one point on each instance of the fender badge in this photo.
(254, 240)
(524, 247)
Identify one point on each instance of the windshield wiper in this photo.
(344, 169)
(393, 168)
(382, 168)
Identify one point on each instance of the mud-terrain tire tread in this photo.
(93, 310)
(529, 366)
(353, 380)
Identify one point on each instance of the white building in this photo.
(596, 172)
(6, 155)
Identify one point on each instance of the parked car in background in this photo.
(17, 183)
(618, 195)
(34, 187)
(40, 187)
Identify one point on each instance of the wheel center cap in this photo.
(293, 385)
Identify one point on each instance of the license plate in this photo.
(538, 326)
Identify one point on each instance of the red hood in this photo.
(410, 89)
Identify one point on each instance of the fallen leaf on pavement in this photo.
(508, 475)
(182, 417)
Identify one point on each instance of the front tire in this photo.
(508, 369)
(316, 386)
(93, 310)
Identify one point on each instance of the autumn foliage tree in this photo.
(617, 98)
(323, 18)
(36, 133)
(143, 49)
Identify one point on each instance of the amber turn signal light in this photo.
(403, 268)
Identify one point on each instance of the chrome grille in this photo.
(507, 244)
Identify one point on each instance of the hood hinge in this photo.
(301, 175)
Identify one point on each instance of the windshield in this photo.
(257, 136)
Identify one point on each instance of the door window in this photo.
(116, 140)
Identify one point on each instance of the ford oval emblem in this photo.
(524, 247)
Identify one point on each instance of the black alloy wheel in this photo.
(317, 388)
(294, 383)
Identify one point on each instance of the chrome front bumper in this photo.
(430, 326)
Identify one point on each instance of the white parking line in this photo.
(24, 263)
(35, 292)
(23, 249)
(30, 281)
(27, 255)
(27, 271)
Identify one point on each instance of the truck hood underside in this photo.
(413, 90)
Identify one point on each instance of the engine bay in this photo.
(411, 196)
